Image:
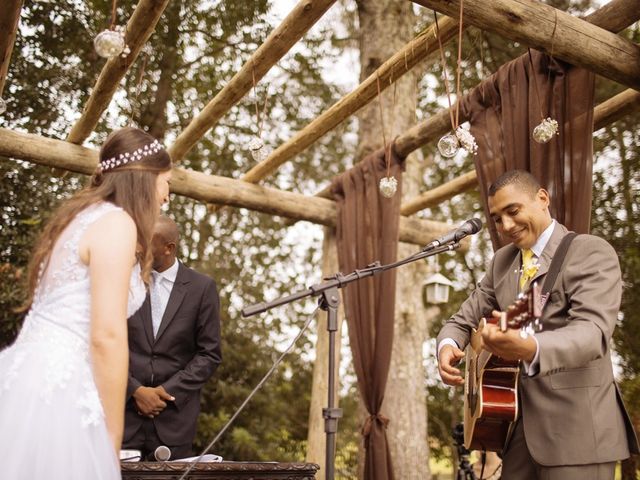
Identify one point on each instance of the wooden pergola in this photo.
(590, 42)
(537, 25)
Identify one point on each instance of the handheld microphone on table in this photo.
(470, 227)
(162, 453)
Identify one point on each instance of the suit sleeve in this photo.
(132, 385)
(480, 303)
(592, 284)
(207, 354)
(132, 382)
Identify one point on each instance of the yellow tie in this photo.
(527, 267)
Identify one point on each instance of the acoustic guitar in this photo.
(491, 383)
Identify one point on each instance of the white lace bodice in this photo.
(56, 331)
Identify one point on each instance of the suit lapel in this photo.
(559, 231)
(175, 299)
(506, 277)
(147, 323)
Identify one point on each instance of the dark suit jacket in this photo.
(572, 411)
(183, 356)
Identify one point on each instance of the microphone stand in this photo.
(329, 301)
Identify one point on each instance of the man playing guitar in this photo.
(571, 422)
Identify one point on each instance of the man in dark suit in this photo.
(572, 423)
(174, 348)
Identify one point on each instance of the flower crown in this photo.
(128, 157)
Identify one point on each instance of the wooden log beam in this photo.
(440, 193)
(604, 114)
(8, 29)
(304, 15)
(615, 108)
(555, 32)
(615, 16)
(139, 28)
(205, 188)
(395, 67)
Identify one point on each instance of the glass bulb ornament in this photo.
(388, 186)
(545, 130)
(3, 106)
(111, 43)
(259, 151)
(448, 145)
(467, 140)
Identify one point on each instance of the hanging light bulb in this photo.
(111, 43)
(3, 106)
(467, 140)
(388, 186)
(545, 130)
(448, 145)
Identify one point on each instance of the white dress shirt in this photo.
(161, 287)
(537, 249)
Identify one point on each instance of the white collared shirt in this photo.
(543, 239)
(160, 291)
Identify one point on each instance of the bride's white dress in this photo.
(51, 420)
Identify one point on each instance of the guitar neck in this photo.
(525, 310)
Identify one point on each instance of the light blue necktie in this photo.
(156, 302)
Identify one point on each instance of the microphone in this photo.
(469, 227)
(162, 453)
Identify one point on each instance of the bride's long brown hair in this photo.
(131, 186)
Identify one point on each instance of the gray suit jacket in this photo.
(182, 357)
(571, 409)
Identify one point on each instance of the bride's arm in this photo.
(109, 245)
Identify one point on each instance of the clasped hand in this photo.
(508, 345)
(150, 401)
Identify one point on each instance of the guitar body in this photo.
(490, 400)
(491, 383)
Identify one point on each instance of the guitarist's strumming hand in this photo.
(509, 344)
(449, 357)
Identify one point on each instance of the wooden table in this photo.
(219, 471)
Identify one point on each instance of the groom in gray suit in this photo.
(174, 348)
(572, 423)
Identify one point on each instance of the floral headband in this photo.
(128, 157)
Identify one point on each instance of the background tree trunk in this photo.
(385, 26)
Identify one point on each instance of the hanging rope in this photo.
(454, 118)
(114, 7)
(259, 122)
(387, 148)
(138, 87)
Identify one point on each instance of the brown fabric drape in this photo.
(367, 230)
(503, 111)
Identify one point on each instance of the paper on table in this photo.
(207, 458)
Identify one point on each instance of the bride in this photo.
(63, 381)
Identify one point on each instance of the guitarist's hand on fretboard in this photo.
(509, 345)
(449, 357)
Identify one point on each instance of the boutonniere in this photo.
(530, 270)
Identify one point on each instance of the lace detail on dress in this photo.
(52, 349)
(90, 406)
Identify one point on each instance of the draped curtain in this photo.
(503, 111)
(366, 231)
